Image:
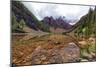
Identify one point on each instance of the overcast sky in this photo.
(41, 10)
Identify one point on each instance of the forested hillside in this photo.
(87, 27)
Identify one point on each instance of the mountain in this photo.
(22, 13)
(57, 23)
(22, 17)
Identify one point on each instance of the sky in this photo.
(69, 12)
(41, 10)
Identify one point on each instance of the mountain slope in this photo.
(87, 24)
(20, 12)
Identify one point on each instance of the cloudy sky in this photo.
(41, 10)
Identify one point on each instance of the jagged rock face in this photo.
(57, 23)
